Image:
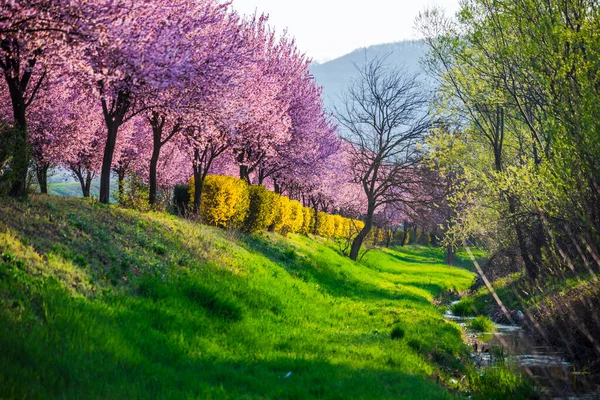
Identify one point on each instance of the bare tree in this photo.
(384, 118)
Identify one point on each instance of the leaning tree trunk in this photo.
(359, 239)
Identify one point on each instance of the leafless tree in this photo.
(383, 119)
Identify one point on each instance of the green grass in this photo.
(481, 324)
(465, 307)
(101, 302)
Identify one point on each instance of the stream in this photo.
(546, 365)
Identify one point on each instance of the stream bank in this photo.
(547, 366)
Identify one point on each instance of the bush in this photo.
(500, 382)
(340, 226)
(296, 216)
(482, 324)
(464, 308)
(262, 210)
(308, 222)
(136, 194)
(397, 332)
(225, 201)
(181, 198)
(282, 219)
(325, 225)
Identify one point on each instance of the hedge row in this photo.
(229, 202)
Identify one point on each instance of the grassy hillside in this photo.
(101, 302)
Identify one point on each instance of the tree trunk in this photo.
(276, 187)
(450, 255)
(109, 150)
(198, 183)
(82, 181)
(19, 164)
(405, 233)
(88, 185)
(316, 208)
(42, 177)
(244, 174)
(358, 240)
(153, 166)
(531, 268)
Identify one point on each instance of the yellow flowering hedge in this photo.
(225, 201)
(229, 202)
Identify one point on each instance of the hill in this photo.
(101, 300)
(336, 75)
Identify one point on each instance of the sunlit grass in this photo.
(97, 301)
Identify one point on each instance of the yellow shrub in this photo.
(296, 216)
(284, 216)
(308, 222)
(262, 210)
(339, 226)
(325, 225)
(225, 201)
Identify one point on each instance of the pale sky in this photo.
(327, 29)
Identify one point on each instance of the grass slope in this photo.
(102, 302)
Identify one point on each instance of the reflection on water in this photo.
(546, 365)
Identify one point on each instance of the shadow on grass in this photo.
(310, 269)
(119, 347)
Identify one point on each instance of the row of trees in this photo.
(168, 90)
(519, 87)
(165, 89)
(520, 153)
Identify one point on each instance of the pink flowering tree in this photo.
(33, 34)
(133, 48)
(219, 54)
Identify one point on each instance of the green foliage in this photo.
(263, 209)
(499, 382)
(136, 194)
(181, 198)
(481, 324)
(14, 156)
(465, 307)
(225, 201)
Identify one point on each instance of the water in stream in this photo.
(546, 365)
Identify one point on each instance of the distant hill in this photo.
(336, 75)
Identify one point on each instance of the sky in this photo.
(327, 29)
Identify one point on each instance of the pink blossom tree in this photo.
(133, 48)
(32, 32)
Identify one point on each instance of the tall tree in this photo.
(384, 118)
